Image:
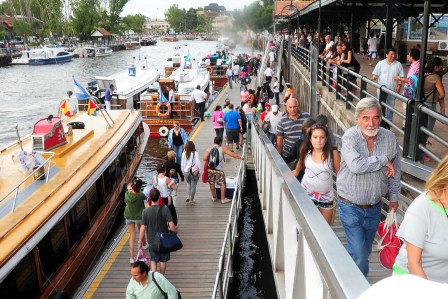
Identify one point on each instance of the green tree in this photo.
(176, 17)
(257, 16)
(85, 17)
(134, 23)
(113, 10)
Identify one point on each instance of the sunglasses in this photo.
(176, 126)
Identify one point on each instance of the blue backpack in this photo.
(410, 88)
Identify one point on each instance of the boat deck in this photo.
(201, 228)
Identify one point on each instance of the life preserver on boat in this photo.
(163, 131)
(168, 109)
(210, 70)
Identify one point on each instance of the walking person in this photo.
(190, 158)
(385, 71)
(199, 97)
(372, 45)
(218, 121)
(134, 200)
(229, 74)
(273, 117)
(233, 126)
(142, 284)
(177, 138)
(318, 160)
(370, 169)
(276, 91)
(172, 100)
(170, 163)
(216, 173)
(156, 219)
(162, 183)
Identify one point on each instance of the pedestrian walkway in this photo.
(200, 227)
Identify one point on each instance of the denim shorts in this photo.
(136, 222)
(159, 257)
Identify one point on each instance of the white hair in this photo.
(365, 104)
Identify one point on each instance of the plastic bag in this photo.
(389, 244)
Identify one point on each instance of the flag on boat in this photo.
(91, 108)
(64, 108)
(187, 58)
(162, 97)
(80, 92)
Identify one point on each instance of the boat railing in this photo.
(308, 259)
(225, 264)
(37, 174)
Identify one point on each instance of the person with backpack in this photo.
(214, 157)
(411, 79)
(156, 219)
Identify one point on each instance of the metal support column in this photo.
(314, 70)
(389, 27)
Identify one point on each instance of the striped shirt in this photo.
(361, 178)
(290, 130)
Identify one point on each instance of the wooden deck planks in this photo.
(201, 228)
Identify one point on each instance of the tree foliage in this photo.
(134, 23)
(257, 16)
(181, 20)
(85, 17)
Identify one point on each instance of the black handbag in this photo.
(266, 126)
(165, 242)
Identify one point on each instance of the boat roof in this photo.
(126, 84)
(72, 164)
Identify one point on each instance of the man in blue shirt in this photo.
(234, 125)
(108, 96)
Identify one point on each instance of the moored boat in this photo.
(172, 63)
(147, 41)
(103, 51)
(86, 52)
(218, 73)
(43, 56)
(169, 38)
(132, 45)
(61, 192)
(160, 115)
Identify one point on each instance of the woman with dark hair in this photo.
(319, 161)
(348, 60)
(251, 98)
(433, 90)
(162, 183)
(218, 122)
(134, 200)
(190, 158)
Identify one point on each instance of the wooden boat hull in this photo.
(218, 81)
(161, 125)
(132, 46)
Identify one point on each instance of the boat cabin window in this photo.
(122, 161)
(95, 197)
(110, 180)
(22, 281)
(52, 251)
(130, 149)
(77, 221)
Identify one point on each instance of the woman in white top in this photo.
(190, 158)
(162, 183)
(319, 161)
(424, 231)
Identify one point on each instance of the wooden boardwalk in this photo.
(200, 227)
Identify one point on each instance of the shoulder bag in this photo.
(194, 170)
(165, 242)
(164, 294)
(266, 126)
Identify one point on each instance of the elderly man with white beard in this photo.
(370, 169)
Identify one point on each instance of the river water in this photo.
(29, 93)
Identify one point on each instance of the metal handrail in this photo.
(225, 263)
(16, 189)
(303, 247)
(350, 93)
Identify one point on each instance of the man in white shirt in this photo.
(171, 100)
(229, 75)
(385, 71)
(372, 45)
(329, 44)
(276, 91)
(268, 73)
(236, 73)
(219, 65)
(207, 61)
(272, 59)
(199, 97)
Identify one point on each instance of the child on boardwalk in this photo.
(319, 161)
(172, 192)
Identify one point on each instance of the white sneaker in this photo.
(131, 260)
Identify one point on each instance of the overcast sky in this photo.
(152, 9)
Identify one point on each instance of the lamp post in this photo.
(291, 10)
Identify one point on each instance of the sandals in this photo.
(213, 199)
(226, 201)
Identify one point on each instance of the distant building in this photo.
(214, 10)
(155, 26)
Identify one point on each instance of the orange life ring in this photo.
(168, 110)
(210, 70)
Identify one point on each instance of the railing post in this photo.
(417, 137)
(382, 100)
(289, 59)
(314, 70)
